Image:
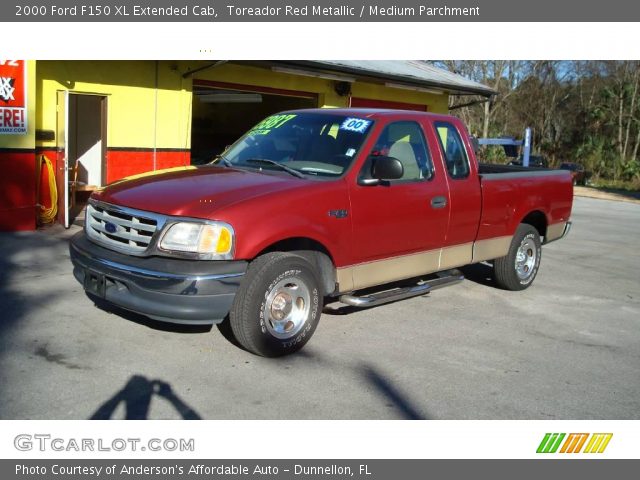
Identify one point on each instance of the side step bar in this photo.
(453, 277)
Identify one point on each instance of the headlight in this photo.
(209, 241)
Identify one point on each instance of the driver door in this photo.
(399, 226)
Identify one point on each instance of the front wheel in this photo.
(278, 305)
(518, 269)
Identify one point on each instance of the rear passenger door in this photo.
(398, 226)
(465, 196)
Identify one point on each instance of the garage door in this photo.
(222, 112)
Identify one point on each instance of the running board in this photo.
(387, 296)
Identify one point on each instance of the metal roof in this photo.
(412, 73)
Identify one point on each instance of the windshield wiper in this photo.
(281, 166)
(223, 159)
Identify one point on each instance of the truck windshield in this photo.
(316, 144)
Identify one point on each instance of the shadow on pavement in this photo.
(137, 395)
(146, 321)
(27, 261)
(480, 273)
(388, 391)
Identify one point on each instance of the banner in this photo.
(13, 97)
(318, 11)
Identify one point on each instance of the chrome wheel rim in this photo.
(526, 258)
(287, 307)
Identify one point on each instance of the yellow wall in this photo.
(436, 103)
(141, 116)
(27, 140)
(249, 75)
(132, 99)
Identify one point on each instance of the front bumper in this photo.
(171, 290)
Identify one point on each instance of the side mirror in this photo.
(387, 168)
(383, 169)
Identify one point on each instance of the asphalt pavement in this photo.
(566, 348)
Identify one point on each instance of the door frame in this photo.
(62, 133)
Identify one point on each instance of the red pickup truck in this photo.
(310, 206)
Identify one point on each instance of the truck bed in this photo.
(493, 169)
(509, 192)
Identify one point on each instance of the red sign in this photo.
(13, 97)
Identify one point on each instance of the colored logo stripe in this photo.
(575, 441)
(550, 443)
(598, 442)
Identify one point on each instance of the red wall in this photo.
(17, 190)
(370, 103)
(44, 197)
(122, 163)
(20, 171)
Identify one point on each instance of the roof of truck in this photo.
(367, 112)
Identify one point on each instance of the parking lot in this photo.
(567, 348)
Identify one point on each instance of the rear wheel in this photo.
(278, 305)
(518, 269)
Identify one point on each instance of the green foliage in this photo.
(582, 111)
(630, 170)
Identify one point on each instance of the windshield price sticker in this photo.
(355, 125)
(270, 123)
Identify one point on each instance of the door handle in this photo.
(438, 202)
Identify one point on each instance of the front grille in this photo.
(119, 228)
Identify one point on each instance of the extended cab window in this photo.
(453, 150)
(404, 141)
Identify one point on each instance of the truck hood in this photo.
(193, 191)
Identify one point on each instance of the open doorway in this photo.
(223, 112)
(82, 148)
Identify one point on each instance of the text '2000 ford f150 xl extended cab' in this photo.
(311, 205)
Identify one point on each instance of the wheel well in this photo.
(537, 220)
(316, 253)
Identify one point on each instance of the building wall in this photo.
(149, 117)
(148, 110)
(327, 97)
(18, 169)
(435, 103)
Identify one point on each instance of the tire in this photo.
(518, 269)
(278, 305)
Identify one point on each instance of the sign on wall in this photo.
(13, 97)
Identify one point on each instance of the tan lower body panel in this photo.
(555, 231)
(491, 248)
(397, 268)
(456, 256)
(379, 272)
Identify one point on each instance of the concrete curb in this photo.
(602, 195)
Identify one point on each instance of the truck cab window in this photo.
(453, 150)
(314, 144)
(404, 141)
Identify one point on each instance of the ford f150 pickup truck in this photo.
(355, 205)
